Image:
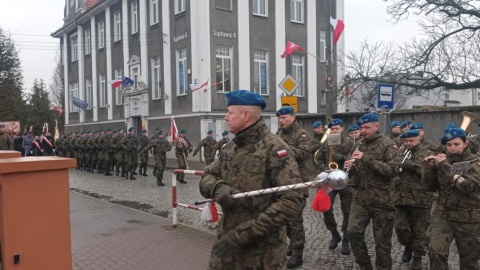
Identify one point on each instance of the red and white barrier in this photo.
(174, 194)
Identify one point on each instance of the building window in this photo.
(447, 96)
(102, 92)
(153, 12)
(73, 93)
(135, 74)
(101, 35)
(179, 6)
(74, 46)
(298, 73)
(134, 17)
(88, 42)
(260, 83)
(223, 4)
(296, 11)
(117, 26)
(182, 72)
(88, 93)
(224, 68)
(323, 46)
(118, 90)
(260, 7)
(156, 78)
(76, 4)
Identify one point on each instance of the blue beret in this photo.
(245, 97)
(183, 131)
(394, 124)
(144, 131)
(449, 126)
(285, 110)
(416, 126)
(335, 122)
(317, 124)
(130, 129)
(410, 133)
(353, 127)
(367, 118)
(159, 132)
(405, 123)
(453, 133)
(210, 132)
(224, 133)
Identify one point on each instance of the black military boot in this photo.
(160, 182)
(131, 176)
(107, 173)
(178, 177)
(125, 175)
(367, 266)
(117, 171)
(407, 254)
(182, 177)
(145, 171)
(294, 261)
(134, 173)
(154, 170)
(289, 251)
(417, 263)
(336, 238)
(345, 245)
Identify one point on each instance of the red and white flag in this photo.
(173, 130)
(349, 89)
(291, 47)
(338, 27)
(59, 110)
(195, 86)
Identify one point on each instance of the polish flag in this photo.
(282, 153)
(59, 110)
(194, 86)
(338, 27)
(291, 47)
(115, 83)
(173, 130)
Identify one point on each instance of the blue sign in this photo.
(386, 94)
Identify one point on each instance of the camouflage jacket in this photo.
(116, 140)
(67, 144)
(429, 144)
(410, 190)
(374, 171)
(458, 200)
(300, 143)
(474, 144)
(219, 145)
(129, 144)
(181, 148)
(207, 143)
(160, 148)
(256, 159)
(5, 141)
(316, 142)
(398, 141)
(142, 142)
(59, 143)
(340, 153)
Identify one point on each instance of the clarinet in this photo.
(360, 142)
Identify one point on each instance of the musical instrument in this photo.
(333, 141)
(468, 119)
(407, 154)
(324, 138)
(360, 142)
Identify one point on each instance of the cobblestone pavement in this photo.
(145, 195)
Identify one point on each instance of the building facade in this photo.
(165, 46)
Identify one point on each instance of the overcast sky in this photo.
(32, 21)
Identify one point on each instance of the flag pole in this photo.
(328, 64)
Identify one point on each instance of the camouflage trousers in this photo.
(411, 227)
(296, 233)
(346, 201)
(143, 159)
(382, 224)
(268, 254)
(440, 235)
(208, 159)
(182, 163)
(101, 160)
(94, 159)
(107, 161)
(131, 160)
(160, 164)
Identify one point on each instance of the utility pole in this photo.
(328, 64)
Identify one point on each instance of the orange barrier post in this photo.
(35, 213)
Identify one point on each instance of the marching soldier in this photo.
(129, 144)
(208, 144)
(88, 151)
(376, 161)
(426, 143)
(79, 150)
(106, 147)
(119, 155)
(337, 154)
(59, 146)
(354, 132)
(456, 215)
(251, 233)
(160, 148)
(299, 142)
(413, 200)
(143, 142)
(100, 151)
(317, 135)
(92, 144)
(182, 148)
(220, 144)
(5, 139)
(395, 130)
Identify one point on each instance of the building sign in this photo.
(290, 101)
(288, 85)
(385, 95)
(221, 34)
(135, 107)
(180, 37)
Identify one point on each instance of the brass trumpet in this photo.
(468, 119)
(324, 138)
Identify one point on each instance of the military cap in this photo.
(394, 124)
(210, 132)
(159, 128)
(84, 132)
(130, 129)
(367, 118)
(353, 127)
(108, 129)
(100, 130)
(449, 126)
(224, 133)
(410, 133)
(335, 122)
(182, 131)
(144, 131)
(453, 133)
(416, 126)
(316, 124)
(159, 132)
(285, 110)
(405, 123)
(245, 97)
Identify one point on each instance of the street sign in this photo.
(290, 101)
(386, 94)
(289, 85)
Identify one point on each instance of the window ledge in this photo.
(297, 22)
(260, 15)
(181, 95)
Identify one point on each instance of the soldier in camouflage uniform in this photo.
(143, 142)
(317, 136)
(80, 151)
(119, 155)
(100, 151)
(251, 232)
(154, 137)
(182, 148)
(113, 155)
(67, 145)
(107, 149)
(337, 153)
(354, 133)
(457, 211)
(160, 148)
(403, 127)
(426, 143)
(376, 161)
(299, 142)
(220, 144)
(395, 130)
(59, 146)
(92, 143)
(6, 142)
(88, 152)
(413, 201)
(129, 144)
(207, 143)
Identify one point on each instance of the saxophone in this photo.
(332, 165)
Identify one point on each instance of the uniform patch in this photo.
(282, 153)
(304, 135)
(394, 146)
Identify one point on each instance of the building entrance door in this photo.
(137, 125)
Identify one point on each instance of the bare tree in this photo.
(56, 87)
